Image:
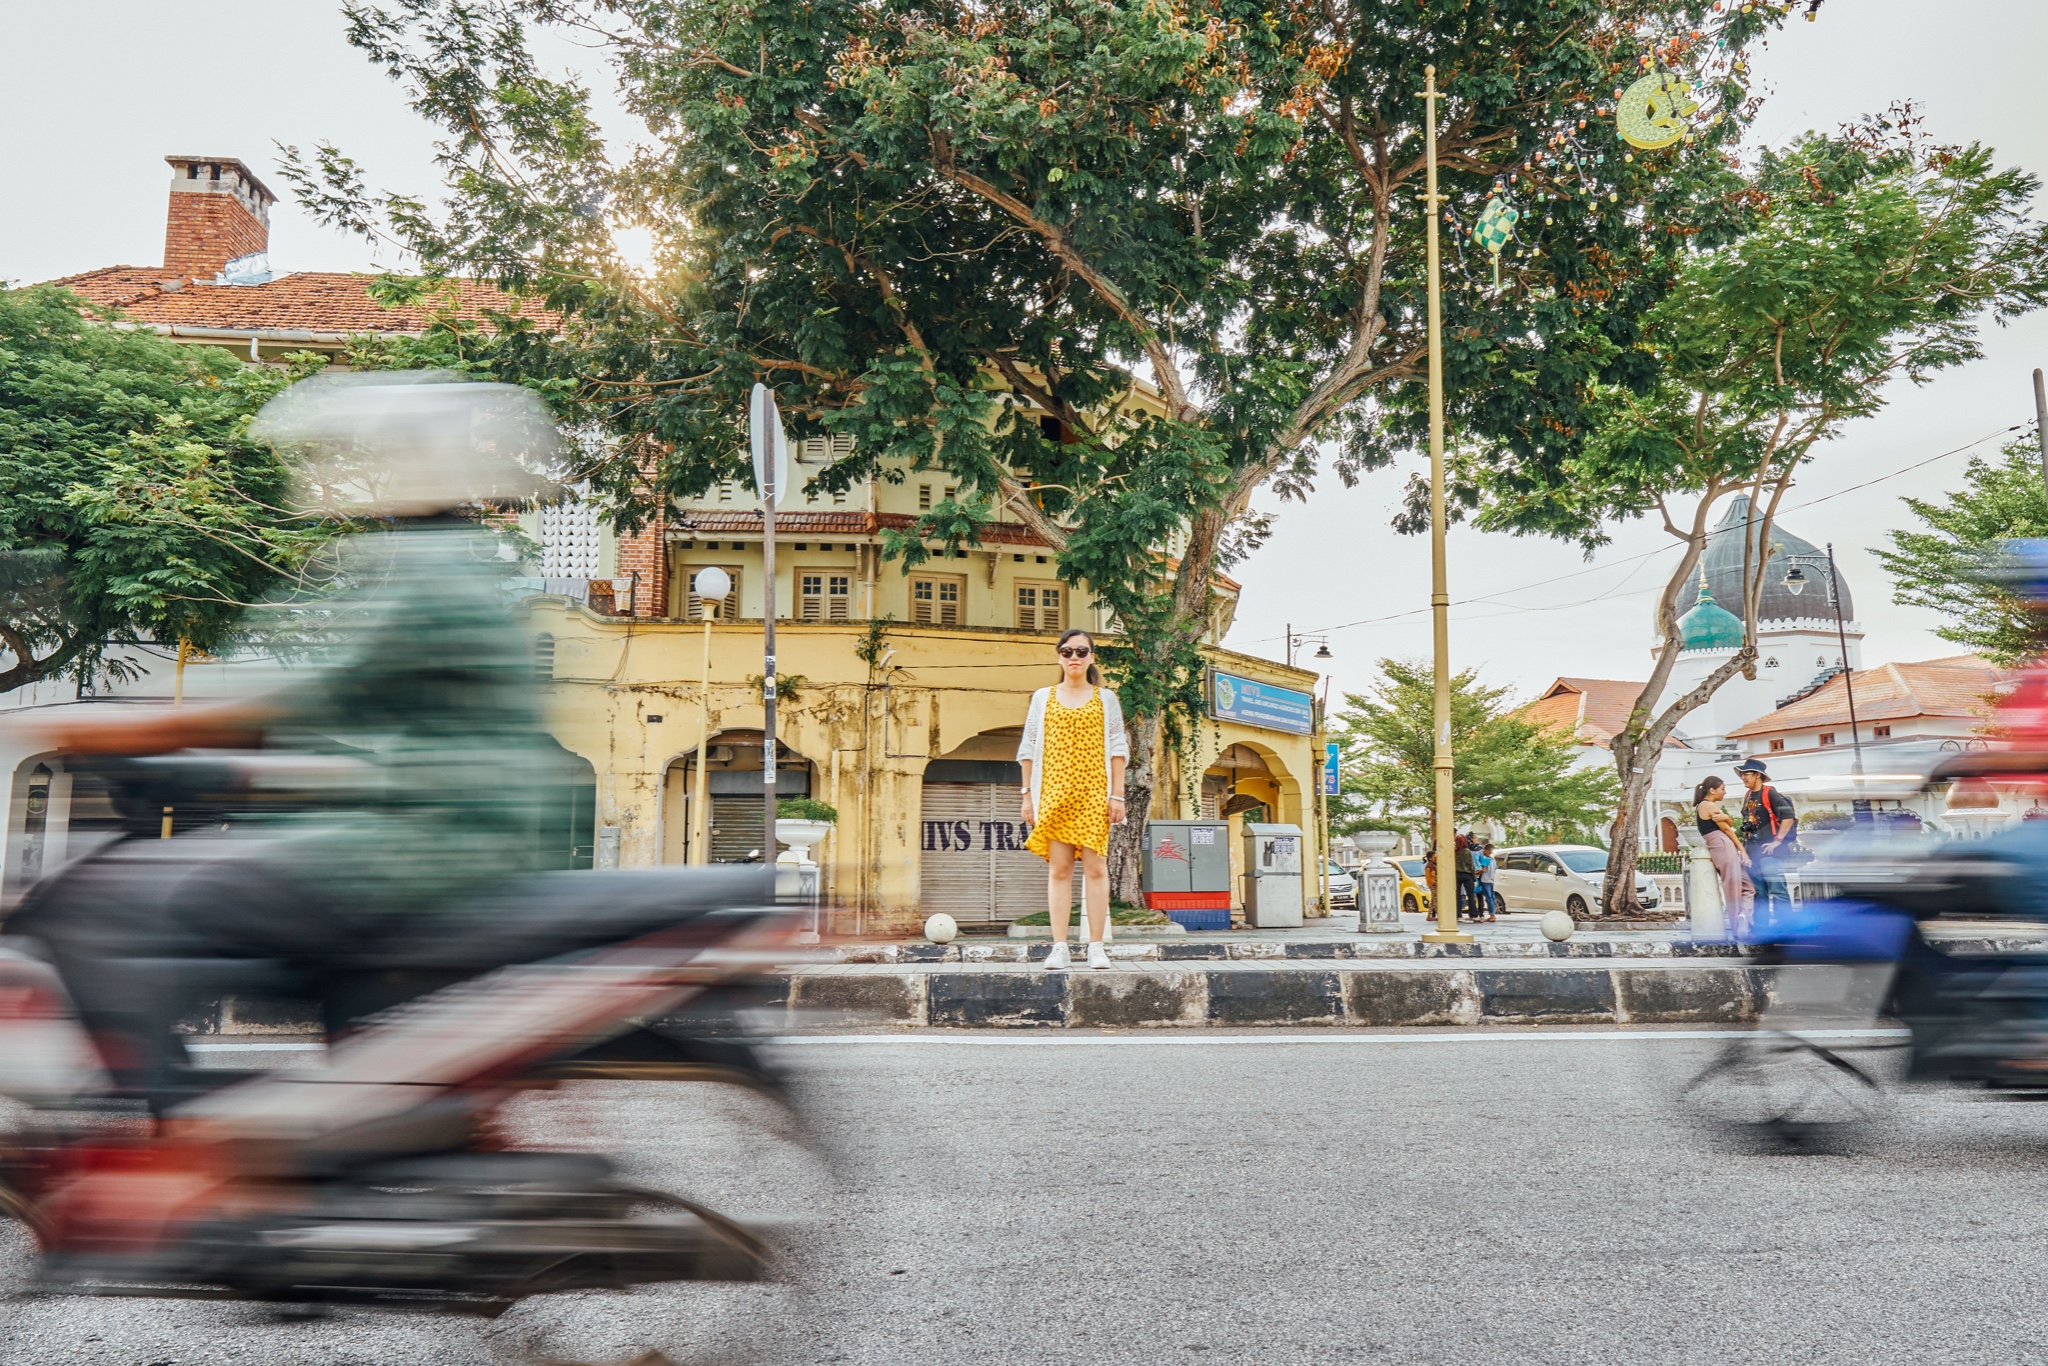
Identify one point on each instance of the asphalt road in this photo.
(1208, 1198)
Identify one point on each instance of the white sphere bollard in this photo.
(1558, 926)
(940, 928)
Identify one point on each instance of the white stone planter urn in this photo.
(799, 836)
(1375, 842)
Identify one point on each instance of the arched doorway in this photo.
(734, 789)
(1667, 835)
(972, 861)
(567, 828)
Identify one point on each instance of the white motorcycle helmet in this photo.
(409, 443)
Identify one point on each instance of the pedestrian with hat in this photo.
(1770, 826)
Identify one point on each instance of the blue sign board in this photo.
(1330, 769)
(1260, 704)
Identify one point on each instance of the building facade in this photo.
(909, 688)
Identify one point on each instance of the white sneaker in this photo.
(1098, 957)
(1059, 960)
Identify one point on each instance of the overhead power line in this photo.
(1492, 597)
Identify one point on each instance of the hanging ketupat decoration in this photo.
(1496, 226)
(1652, 112)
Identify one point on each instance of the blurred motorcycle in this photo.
(1857, 956)
(381, 1176)
(367, 838)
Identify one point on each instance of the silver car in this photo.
(1559, 877)
(1343, 887)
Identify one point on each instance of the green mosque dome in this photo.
(1709, 626)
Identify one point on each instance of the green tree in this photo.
(1864, 259)
(966, 235)
(131, 506)
(1944, 566)
(1521, 775)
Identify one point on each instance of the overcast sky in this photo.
(99, 91)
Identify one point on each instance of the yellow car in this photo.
(1414, 891)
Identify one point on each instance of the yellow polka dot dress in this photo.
(1073, 786)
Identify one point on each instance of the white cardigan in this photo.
(1032, 747)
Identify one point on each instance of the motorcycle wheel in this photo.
(1784, 1091)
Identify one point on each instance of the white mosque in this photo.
(1795, 713)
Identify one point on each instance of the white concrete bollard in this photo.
(1703, 896)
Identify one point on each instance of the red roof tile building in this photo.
(216, 286)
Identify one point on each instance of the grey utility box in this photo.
(1187, 856)
(1272, 875)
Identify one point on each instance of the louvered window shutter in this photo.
(727, 609)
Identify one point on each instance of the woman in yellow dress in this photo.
(1073, 756)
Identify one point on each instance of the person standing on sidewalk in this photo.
(1769, 826)
(1731, 864)
(1488, 898)
(1468, 877)
(1073, 756)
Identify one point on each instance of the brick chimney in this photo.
(219, 212)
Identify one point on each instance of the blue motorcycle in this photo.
(1859, 996)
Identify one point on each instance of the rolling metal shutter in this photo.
(735, 827)
(973, 861)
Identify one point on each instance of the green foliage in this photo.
(1861, 259)
(961, 236)
(1661, 863)
(1507, 770)
(805, 809)
(874, 641)
(788, 687)
(131, 505)
(1944, 566)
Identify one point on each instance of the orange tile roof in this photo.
(1956, 686)
(745, 522)
(329, 302)
(1589, 709)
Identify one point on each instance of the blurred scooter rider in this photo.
(420, 673)
(1770, 825)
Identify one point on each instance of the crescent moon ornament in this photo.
(1652, 112)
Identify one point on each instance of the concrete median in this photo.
(1151, 992)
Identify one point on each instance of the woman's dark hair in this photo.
(1707, 784)
(1094, 674)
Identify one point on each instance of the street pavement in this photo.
(1206, 1197)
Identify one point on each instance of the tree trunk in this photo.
(1618, 890)
(1127, 841)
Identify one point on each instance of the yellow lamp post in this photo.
(710, 586)
(1446, 895)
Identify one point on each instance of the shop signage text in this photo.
(959, 836)
(1253, 703)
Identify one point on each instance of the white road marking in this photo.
(1197, 1040)
(1203, 1040)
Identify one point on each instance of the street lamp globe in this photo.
(712, 584)
(1795, 581)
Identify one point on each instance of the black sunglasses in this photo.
(1076, 651)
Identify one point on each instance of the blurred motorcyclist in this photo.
(418, 675)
